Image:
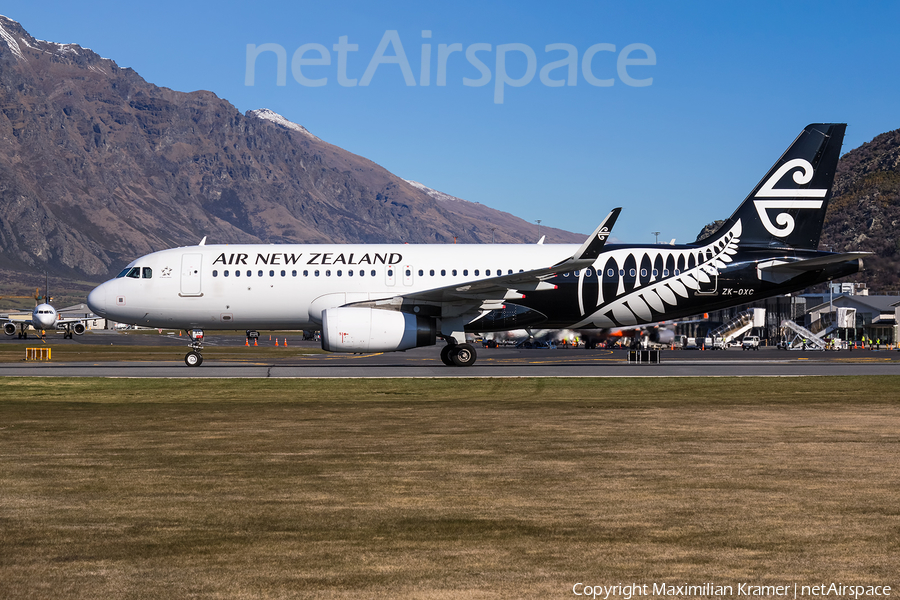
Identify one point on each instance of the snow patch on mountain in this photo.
(33, 43)
(274, 117)
(440, 196)
(64, 48)
(11, 41)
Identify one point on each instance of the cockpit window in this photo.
(147, 273)
(124, 272)
(134, 273)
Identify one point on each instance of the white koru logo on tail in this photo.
(802, 176)
(603, 233)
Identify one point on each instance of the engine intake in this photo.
(662, 336)
(354, 329)
(9, 329)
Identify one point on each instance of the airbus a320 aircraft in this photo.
(43, 317)
(379, 298)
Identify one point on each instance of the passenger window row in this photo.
(147, 273)
(621, 272)
(283, 273)
(359, 273)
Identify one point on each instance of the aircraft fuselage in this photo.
(288, 287)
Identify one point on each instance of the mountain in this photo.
(98, 166)
(495, 220)
(865, 211)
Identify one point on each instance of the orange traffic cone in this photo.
(285, 342)
(276, 341)
(248, 342)
(255, 343)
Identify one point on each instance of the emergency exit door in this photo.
(190, 274)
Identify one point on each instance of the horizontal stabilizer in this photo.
(811, 264)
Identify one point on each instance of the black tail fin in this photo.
(787, 208)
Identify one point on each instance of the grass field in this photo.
(511, 488)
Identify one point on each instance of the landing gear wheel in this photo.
(193, 359)
(463, 355)
(445, 355)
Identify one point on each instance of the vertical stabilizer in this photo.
(787, 208)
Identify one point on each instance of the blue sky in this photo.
(729, 87)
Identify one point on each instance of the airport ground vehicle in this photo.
(751, 342)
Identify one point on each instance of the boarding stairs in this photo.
(801, 334)
(828, 322)
(740, 324)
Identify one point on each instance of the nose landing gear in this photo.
(194, 358)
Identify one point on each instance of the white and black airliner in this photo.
(388, 297)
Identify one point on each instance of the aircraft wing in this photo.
(508, 287)
(29, 322)
(16, 320)
(67, 320)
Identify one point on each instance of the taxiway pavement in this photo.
(299, 361)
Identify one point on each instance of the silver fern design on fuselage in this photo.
(649, 282)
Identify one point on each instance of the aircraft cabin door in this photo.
(190, 274)
(710, 287)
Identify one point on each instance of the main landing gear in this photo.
(458, 355)
(194, 358)
(73, 329)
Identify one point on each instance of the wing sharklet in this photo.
(585, 256)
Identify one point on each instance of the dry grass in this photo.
(443, 489)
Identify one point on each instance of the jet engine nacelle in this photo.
(666, 337)
(78, 328)
(353, 329)
(9, 329)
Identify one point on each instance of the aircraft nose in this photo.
(46, 321)
(96, 300)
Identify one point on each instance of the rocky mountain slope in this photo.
(98, 166)
(865, 211)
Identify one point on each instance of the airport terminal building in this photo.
(847, 312)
